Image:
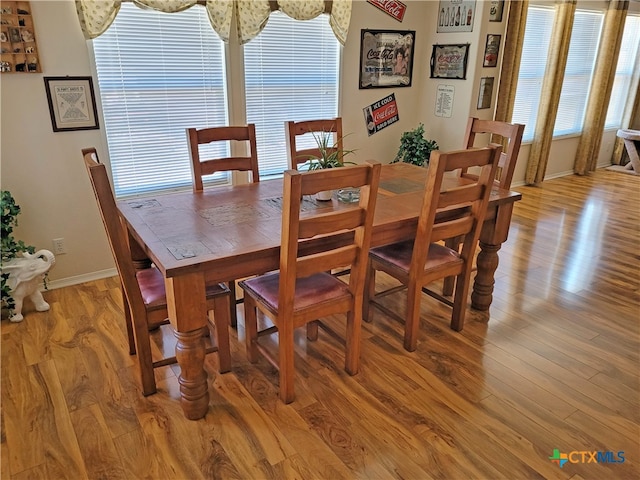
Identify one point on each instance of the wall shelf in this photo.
(18, 39)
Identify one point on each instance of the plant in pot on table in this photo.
(330, 157)
(414, 148)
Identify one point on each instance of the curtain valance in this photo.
(251, 15)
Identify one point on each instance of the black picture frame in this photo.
(72, 103)
(485, 93)
(450, 61)
(386, 58)
(491, 50)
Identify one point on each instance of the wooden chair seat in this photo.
(418, 262)
(144, 295)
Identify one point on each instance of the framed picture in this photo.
(449, 61)
(456, 15)
(386, 58)
(485, 93)
(491, 50)
(495, 10)
(14, 35)
(72, 103)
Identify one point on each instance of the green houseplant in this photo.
(11, 247)
(414, 148)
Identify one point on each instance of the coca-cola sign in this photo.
(381, 114)
(392, 8)
(386, 58)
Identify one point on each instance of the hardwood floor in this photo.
(556, 366)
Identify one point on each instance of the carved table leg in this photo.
(190, 351)
(487, 262)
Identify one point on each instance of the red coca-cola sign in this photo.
(390, 7)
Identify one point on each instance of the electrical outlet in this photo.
(58, 246)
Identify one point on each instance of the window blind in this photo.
(585, 38)
(628, 63)
(158, 74)
(535, 51)
(291, 73)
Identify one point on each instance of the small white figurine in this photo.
(25, 275)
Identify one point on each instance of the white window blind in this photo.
(628, 63)
(158, 74)
(535, 50)
(291, 73)
(585, 38)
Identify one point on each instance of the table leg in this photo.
(187, 305)
(494, 232)
(487, 262)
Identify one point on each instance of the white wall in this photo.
(45, 172)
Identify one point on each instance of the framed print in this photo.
(14, 35)
(456, 15)
(72, 103)
(491, 50)
(449, 61)
(495, 10)
(485, 93)
(386, 58)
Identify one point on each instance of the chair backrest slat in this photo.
(201, 167)
(298, 155)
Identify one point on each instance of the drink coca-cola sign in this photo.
(392, 8)
(381, 114)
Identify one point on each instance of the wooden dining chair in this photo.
(313, 242)
(144, 298)
(415, 263)
(300, 149)
(202, 167)
(496, 132)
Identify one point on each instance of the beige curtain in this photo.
(551, 88)
(514, 38)
(251, 15)
(603, 78)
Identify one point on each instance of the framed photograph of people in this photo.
(449, 61)
(386, 58)
(72, 103)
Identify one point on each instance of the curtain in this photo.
(514, 38)
(95, 16)
(551, 89)
(603, 78)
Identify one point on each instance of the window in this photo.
(158, 74)
(627, 63)
(585, 38)
(535, 50)
(291, 73)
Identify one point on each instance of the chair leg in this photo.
(412, 321)
(219, 316)
(353, 339)
(285, 363)
(369, 291)
(250, 328)
(232, 308)
(312, 331)
(460, 301)
(143, 348)
(128, 322)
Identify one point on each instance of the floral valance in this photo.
(251, 15)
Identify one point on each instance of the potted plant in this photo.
(414, 148)
(330, 157)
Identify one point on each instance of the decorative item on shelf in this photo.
(414, 148)
(22, 269)
(330, 157)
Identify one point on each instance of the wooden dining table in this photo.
(230, 232)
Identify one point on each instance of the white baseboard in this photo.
(87, 277)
